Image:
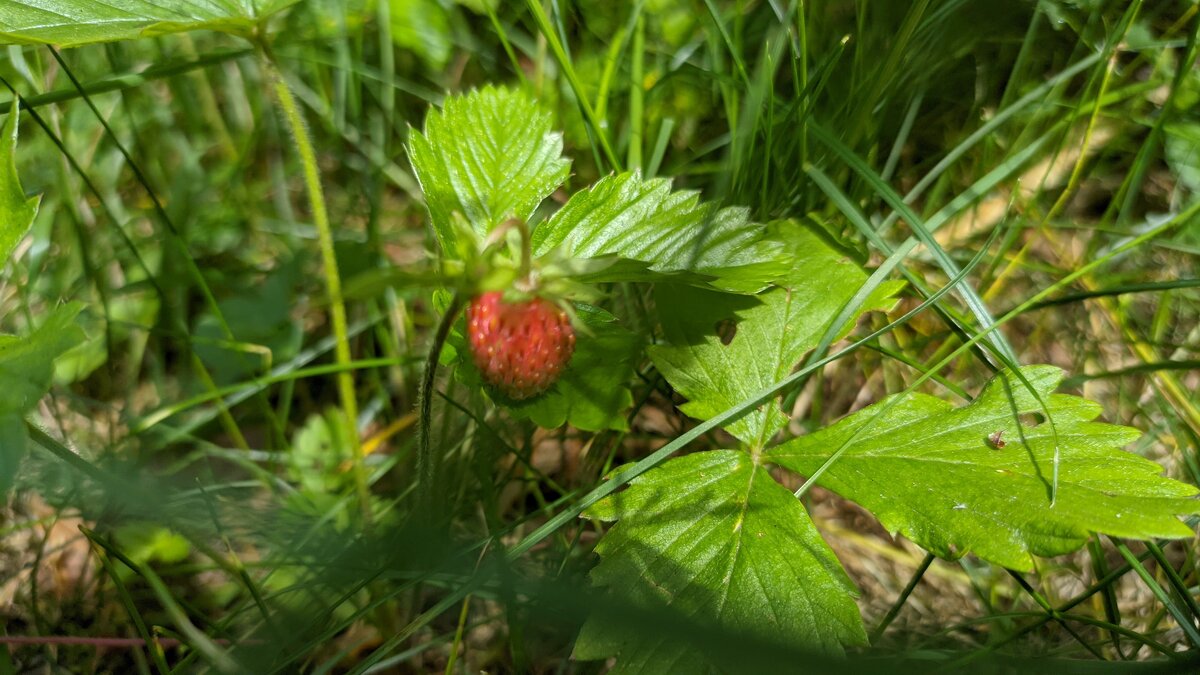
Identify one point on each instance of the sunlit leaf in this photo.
(721, 349)
(488, 155)
(669, 231)
(70, 23)
(16, 210)
(977, 479)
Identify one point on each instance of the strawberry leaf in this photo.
(670, 232)
(488, 155)
(773, 331)
(26, 372)
(936, 474)
(712, 537)
(27, 363)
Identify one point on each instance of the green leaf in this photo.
(26, 372)
(1183, 154)
(16, 210)
(13, 440)
(260, 320)
(27, 363)
(670, 232)
(424, 27)
(488, 155)
(713, 537)
(773, 331)
(318, 451)
(593, 393)
(144, 542)
(930, 471)
(70, 23)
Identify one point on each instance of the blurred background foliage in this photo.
(192, 482)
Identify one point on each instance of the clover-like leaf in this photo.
(669, 231)
(773, 331)
(977, 479)
(69, 23)
(488, 155)
(712, 537)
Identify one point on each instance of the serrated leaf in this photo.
(593, 393)
(934, 473)
(70, 23)
(489, 155)
(773, 331)
(16, 210)
(670, 232)
(714, 538)
(26, 372)
(27, 363)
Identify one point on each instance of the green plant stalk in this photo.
(427, 468)
(636, 97)
(564, 62)
(899, 604)
(333, 281)
(152, 645)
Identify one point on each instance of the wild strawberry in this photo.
(521, 347)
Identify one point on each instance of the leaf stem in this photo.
(333, 282)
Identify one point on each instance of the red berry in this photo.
(521, 348)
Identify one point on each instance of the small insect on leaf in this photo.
(996, 438)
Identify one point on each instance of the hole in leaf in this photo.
(725, 329)
(1032, 419)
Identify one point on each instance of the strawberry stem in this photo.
(427, 469)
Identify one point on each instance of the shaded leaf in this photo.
(934, 473)
(26, 372)
(626, 216)
(1183, 155)
(261, 322)
(13, 440)
(714, 538)
(27, 363)
(16, 210)
(318, 451)
(766, 336)
(488, 155)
